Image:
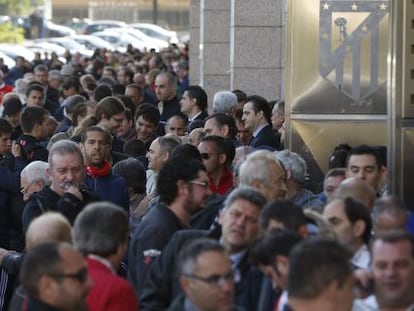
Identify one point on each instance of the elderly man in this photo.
(295, 167)
(206, 277)
(262, 171)
(33, 178)
(225, 102)
(107, 222)
(55, 277)
(66, 193)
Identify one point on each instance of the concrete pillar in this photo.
(257, 36)
(194, 52)
(215, 46)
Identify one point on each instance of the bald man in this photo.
(357, 189)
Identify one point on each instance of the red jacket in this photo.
(109, 291)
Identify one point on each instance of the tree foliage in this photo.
(15, 7)
(10, 34)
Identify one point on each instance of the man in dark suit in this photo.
(256, 117)
(194, 105)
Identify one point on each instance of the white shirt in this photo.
(362, 258)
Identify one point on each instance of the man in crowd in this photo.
(223, 125)
(225, 102)
(206, 277)
(55, 277)
(389, 214)
(352, 224)
(107, 222)
(194, 105)
(393, 273)
(95, 145)
(320, 277)
(183, 188)
(147, 118)
(256, 117)
(176, 124)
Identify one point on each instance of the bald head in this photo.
(357, 189)
(49, 227)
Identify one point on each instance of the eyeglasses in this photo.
(206, 156)
(214, 280)
(81, 276)
(24, 190)
(203, 184)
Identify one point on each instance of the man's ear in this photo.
(359, 228)
(225, 130)
(184, 282)
(222, 158)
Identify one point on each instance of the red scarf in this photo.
(96, 172)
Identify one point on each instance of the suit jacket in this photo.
(266, 137)
(109, 292)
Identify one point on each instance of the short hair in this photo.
(224, 101)
(336, 172)
(354, 211)
(293, 162)
(109, 106)
(5, 127)
(173, 170)
(34, 87)
(55, 74)
(394, 236)
(284, 211)
(134, 148)
(260, 104)
(198, 93)
(256, 167)
(32, 116)
(171, 78)
(41, 68)
(190, 253)
(149, 113)
(273, 243)
(101, 91)
(280, 106)
(100, 228)
(241, 96)
(63, 147)
(72, 102)
(129, 73)
(246, 193)
(364, 150)
(187, 150)
(222, 120)
(135, 86)
(81, 110)
(12, 104)
(95, 128)
(133, 172)
(222, 146)
(391, 205)
(36, 170)
(314, 264)
(41, 260)
(72, 82)
(167, 144)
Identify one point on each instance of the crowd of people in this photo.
(121, 190)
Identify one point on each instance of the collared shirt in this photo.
(224, 185)
(189, 306)
(194, 117)
(103, 261)
(362, 258)
(237, 258)
(371, 304)
(257, 131)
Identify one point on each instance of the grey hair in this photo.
(294, 163)
(256, 167)
(224, 101)
(246, 193)
(167, 144)
(390, 205)
(100, 229)
(189, 255)
(62, 147)
(36, 170)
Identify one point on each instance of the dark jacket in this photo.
(112, 188)
(266, 137)
(178, 305)
(32, 150)
(48, 200)
(161, 285)
(148, 241)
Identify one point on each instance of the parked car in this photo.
(157, 32)
(69, 44)
(14, 50)
(101, 25)
(54, 30)
(92, 42)
(149, 43)
(8, 61)
(119, 40)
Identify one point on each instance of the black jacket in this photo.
(162, 286)
(266, 137)
(32, 150)
(148, 241)
(48, 200)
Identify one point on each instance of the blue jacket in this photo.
(112, 188)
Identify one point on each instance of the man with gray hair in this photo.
(225, 102)
(295, 167)
(261, 170)
(206, 277)
(100, 233)
(33, 178)
(389, 214)
(66, 193)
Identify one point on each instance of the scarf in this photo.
(97, 172)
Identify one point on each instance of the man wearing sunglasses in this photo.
(55, 277)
